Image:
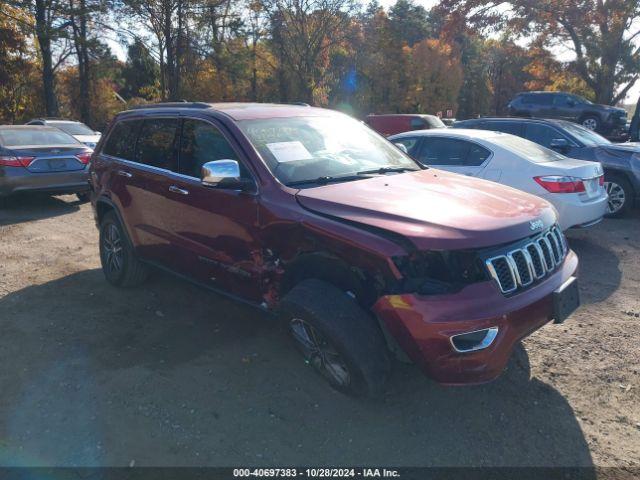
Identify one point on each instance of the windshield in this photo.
(531, 151)
(435, 122)
(73, 128)
(313, 149)
(585, 136)
(580, 99)
(18, 137)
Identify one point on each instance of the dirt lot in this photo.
(168, 374)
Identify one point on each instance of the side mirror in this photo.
(402, 147)
(223, 174)
(559, 144)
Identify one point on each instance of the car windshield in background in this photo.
(530, 150)
(17, 137)
(588, 137)
(73, 128)
(314, 150)
(435, 122)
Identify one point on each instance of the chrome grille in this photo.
(521, 266)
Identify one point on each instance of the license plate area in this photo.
(566, 300)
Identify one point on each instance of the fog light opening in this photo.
(474, 341)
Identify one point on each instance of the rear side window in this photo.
(506, 127)
(477, 155)
(201, 143)
(443, 151)
(157, 143)
(122, 140)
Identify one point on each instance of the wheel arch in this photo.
(330, 268)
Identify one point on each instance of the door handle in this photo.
(179, 190)
(124, 173)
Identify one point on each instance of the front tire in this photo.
(337, 338)
(620, 195)
(591, 122)
(83, 197)
(120, 265)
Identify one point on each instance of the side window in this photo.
(443, 151)
(562, 100)
(157, 143)
(122, 140)
(477, 155)
(418, 124)
(410, 143)
(541, 134)
(201, 143)
(506, 127)
(544, 98)
(528, 99)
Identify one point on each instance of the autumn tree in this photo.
(435, 75)
(602, 34)
(303, 34)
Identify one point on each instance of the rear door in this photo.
(564, 107)
(156, 157)
(124, 179)
(453, 154)
(213, 230)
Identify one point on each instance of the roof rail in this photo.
(183, 104)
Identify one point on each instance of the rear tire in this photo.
(120, 265)
(620, 194)
(339, 339)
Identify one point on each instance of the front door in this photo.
(213, 230)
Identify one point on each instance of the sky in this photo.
(563, 54)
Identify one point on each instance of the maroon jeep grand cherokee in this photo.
(312, 215)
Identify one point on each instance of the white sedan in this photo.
(574, 187)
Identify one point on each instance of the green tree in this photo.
(140, 73)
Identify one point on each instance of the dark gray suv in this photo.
(574, 108)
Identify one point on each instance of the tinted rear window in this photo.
(122, 139)
(531, 151)
(73, 128)
(18, 137)
(507, 127)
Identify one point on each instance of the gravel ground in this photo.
(168, 374)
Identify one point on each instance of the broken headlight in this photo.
(438, 272)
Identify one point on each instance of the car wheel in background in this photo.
(620, 194)
(336, 337)
(120, 264)
(591, 122)
(83, 197)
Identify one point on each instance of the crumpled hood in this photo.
(434, 209)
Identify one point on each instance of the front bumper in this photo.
(19, 179)
(423, 325)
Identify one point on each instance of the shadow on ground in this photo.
(21, 208)
(168, 374)
(596, 284)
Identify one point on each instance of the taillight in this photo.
(84, 157)
(601, 180)
(11, 161)
(560, 184)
